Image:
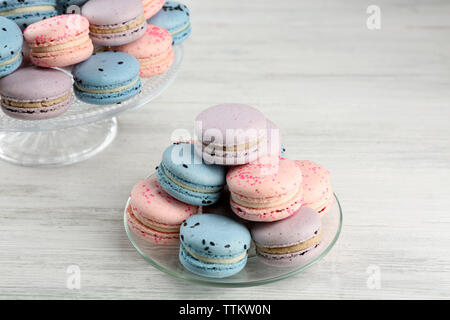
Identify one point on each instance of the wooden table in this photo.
(373, 106)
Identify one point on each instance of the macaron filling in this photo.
(301, 246)
(12, 60)
(108, 90)
(153, 224)
(219, 260)
(110, 29)
(29, 9)
(80, 40)
(35, 104)
(147, 231)
(187, 185)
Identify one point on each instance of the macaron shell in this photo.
(56, 30)
(316, 185)
(300, 227)
(211, 270)
(154, 43)
(149, 200)
(271, 213)
(161, 66)
(151, 7)
(51, 41)
(148, 234)
(38, 113)
(182, 162)
(43, 9)
(224, 117)
(111, 12)
(35, 84)
(261, 180)
(215, 236)
(185, 195)
(175, 17)
(11, 41)
(291, 259)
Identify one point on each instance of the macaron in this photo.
(59, 41)
(317, 188)
(106, 78)
(26, 12)
(34, 93)
(187, 178)
(11, 41)
(266, 192)
(153, 51)
(69, 6)
(213, 245)
(292, 241)
(231, 134)
(175, 17)
(151, 7)
(115, 22)
(154, 215)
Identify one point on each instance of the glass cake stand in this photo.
(78, 134)
(165, 258)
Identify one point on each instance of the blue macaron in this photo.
(26, 12)
(213, 245)
(106, 78)
(186, 177)
(174, 17)
(63, 5)
(11, 41)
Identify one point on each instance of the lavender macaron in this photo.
(292, 241)
(115, 22)
(231, 134)
(34, 93)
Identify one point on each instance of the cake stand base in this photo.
(57, 147)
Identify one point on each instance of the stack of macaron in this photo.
(241, 189)
(107, 45)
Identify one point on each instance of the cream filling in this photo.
(184, 186)
(239, 147)
(118, 89)
(11, 60)
(40, 104)
(105, 30)
(286, 198)
(144, 62)
(182, 29)
(212, 260)
(68, 45)
(27, 10)
(294, 248)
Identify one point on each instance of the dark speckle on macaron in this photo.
(227, 246)
(212, 243)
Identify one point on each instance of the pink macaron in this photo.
(151, 7)
(154, 215)
(317, 188)
(266, 191)
(60, 41)
(153, 51)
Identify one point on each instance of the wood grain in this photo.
(372, 106)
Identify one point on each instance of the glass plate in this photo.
(165, 258)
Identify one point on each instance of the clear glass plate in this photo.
(165, 258)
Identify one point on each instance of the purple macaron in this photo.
(34, 93)
(231, 134)
(115, 22)
(292, 241)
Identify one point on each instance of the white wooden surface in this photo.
(372, 106)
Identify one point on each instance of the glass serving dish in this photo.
(165, 258)
(78, 134)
